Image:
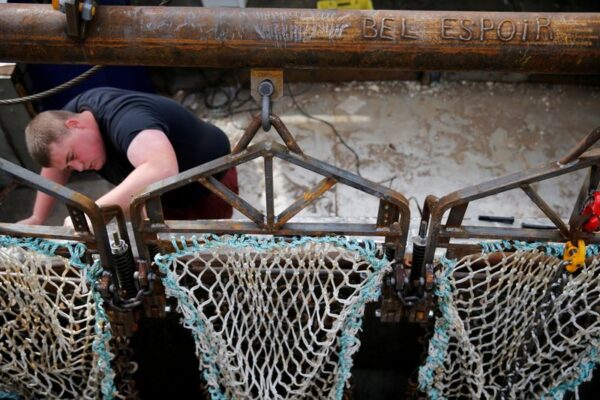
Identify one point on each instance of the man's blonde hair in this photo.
(46, 128)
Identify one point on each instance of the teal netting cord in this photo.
(551, 249)
(371, 292)
(585, 371)
(438, 345)
(194, 322)
(101, 344)
(102, 325)
(8, 396)
(592, 358)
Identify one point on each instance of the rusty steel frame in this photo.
(78, 205)
(440, 235)
(392, 221)
(283, 38)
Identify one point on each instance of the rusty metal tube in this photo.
(410, 40)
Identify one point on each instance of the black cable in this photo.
(211, 93)
(335, 132)
(417, 204)
(232, 101)
(239, 102)
(301, 93)
(390, 180)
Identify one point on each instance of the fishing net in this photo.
(54, 334)
(274, 319)
(513, 325)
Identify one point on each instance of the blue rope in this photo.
(8, 395)
(348, 342)
(101, 343)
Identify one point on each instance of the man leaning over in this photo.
(131, 139)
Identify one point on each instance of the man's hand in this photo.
(69, 223)
(32, 220)
(43, 202)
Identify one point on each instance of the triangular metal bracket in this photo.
(279, 126)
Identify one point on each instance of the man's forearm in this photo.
(141, 177)
(154, 159)
(44, 203)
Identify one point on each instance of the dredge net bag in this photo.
(54, 337)
(274, 319)
(513, 325)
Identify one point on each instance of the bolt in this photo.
(378, 313)
(265, 88)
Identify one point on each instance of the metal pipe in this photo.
(206, 37)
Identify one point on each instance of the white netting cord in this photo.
(514, 325)
(47, 323)
(277, 323)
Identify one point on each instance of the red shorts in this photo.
(209, 207)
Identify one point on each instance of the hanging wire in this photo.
(413, 198)
(73, 82)
(335, 132)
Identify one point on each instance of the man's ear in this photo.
(72, 123)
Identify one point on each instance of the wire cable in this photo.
(417, 204)
(335, 132)
(64, 86)
(73, 82)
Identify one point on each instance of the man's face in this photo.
(80, 150)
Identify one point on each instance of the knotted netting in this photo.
(513, 325)
(54, 333)
(274, 319)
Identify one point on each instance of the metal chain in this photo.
(125, 368)
(73, 82)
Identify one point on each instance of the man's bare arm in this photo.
(154, 159)
(44, 203)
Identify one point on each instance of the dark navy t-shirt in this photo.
(122, 114)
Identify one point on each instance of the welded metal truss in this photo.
(441, 234)
(78, 205)
(117, 284)
(402, 295)
(392, 220)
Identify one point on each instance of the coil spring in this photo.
(125, 268)
(418, 256)
(153, 250)
(390, 253)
